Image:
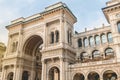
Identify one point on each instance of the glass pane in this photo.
(110, 37)
(57, 36)
(79, 43)
(86, 43)
(119, 27)
(52, 37)
(91, 41)
(97, 40)
(84, 55)
(109, 51)
(104, 39)
(96, 54)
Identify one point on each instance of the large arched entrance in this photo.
(93, 76)
(109, 75)
(25, 75)
(10, 76)
(32, 45)
(54, 73)
(32, 48)
(79, 76)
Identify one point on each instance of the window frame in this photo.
(91, 41)
(57, 35)
(107, 53)
(86, 42)
(97, 40)
(103, 38)
(118, 26)
(79, 42)
(96, 54)
(109, 36)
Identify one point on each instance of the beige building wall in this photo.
(45, 47)
(2, 52)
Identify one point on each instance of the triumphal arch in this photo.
(45, 46)
(39, 47)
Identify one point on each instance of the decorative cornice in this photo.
(111, 8)
(40, 15)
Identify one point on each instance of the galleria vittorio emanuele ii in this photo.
(45, 46)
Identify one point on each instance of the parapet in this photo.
(55, 6)
(112, 2)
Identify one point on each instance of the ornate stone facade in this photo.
(45, 47)
(2, 51)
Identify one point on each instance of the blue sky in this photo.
(88, 12)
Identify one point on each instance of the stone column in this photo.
(9, 46)
(101, 77)
(44, 73)
(62, 70)
(106, 35)
(20, 42)
(100, 39)
(19, 72)
(15, 71)
(103, 55)
(56, 74)
(61, 30)
(86, 77)
(118, 77)
(3, 76)
(83, 45)
(32, 76)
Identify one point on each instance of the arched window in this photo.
(79, 76)
(16, 45)
(109, 35)
(104, 39)
(54, 74)
(91, 39)
(79, 43)
(68, 36)
(57, 36)
(110, 75)
(25, 75)
(13, 47)
(93, 76)
(97, 40)
(86, 43)
(109, 51)
(52, 37)
(95, 54)
(10, 76)
(118, 27)
(84, 56)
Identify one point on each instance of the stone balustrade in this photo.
(95, 63)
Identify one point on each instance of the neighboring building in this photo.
(44, 47)
(2, 51)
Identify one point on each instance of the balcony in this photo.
(93, 63)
